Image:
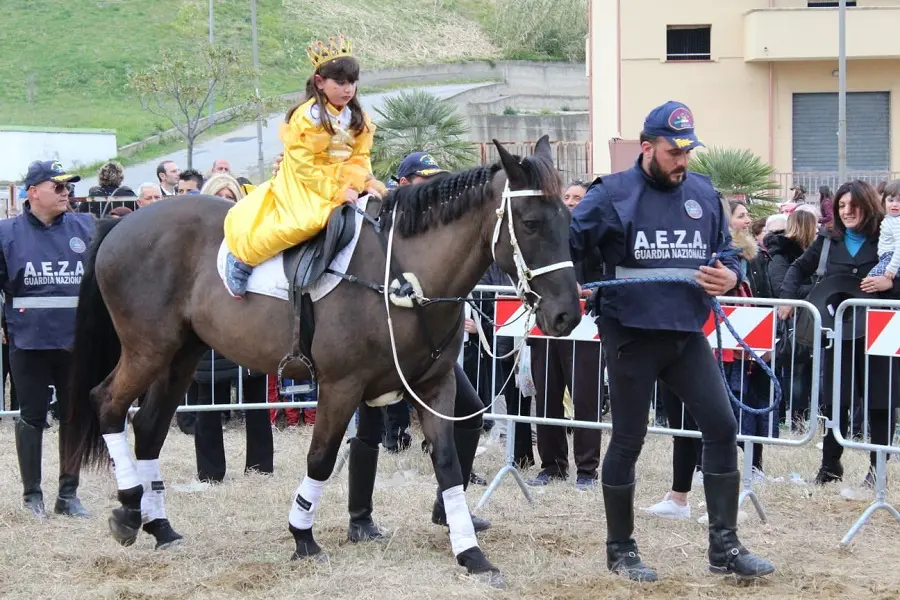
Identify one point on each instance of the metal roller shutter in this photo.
(815, 125)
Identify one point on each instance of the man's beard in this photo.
(662, 179)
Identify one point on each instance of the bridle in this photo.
(525, 274)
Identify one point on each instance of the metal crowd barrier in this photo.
(754, 318)
(879, 335)
(237, 385)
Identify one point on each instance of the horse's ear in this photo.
(542, 148)
(514, 171)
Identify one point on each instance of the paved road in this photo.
(240, 148)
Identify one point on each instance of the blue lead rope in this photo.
(720, 318)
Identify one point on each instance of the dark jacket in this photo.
(495, 276)
(839, 263)
(783, 251)
(216, 368)
(122, 191)
(883, 381)
(636, 226)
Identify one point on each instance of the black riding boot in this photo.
(622, 555)
(726, 554)
(466, 441)
(67, 503)
(361, 469)
(29, 441)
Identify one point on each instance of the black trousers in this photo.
(396, 422)
(209, 443)
(34, 371)
(555, 365)
(636, 359)
(7, 370)
(687, 453)
(466, 402)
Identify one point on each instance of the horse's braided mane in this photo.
(445, 198)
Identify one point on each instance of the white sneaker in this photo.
(697, 481)
(670, 509)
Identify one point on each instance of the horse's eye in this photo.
(531, 225)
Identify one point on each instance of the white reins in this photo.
(523, 288)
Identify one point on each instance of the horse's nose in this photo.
(562, 322)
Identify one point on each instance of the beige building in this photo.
(757, 74)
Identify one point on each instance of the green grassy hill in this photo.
(66, 62)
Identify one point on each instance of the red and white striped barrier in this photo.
(509, 321)
(882, 332)
(755, 324)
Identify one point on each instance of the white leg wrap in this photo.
(123, 459)
(153, 504)
(462, 532)
(306, 501)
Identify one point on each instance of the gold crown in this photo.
(319, 53)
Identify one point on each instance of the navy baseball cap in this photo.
(418, 163)
(48, 170)
(675, 122)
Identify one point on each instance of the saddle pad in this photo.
(268, 278)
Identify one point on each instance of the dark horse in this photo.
(151, 299)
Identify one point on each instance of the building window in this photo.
(828, 3)
(688, 42)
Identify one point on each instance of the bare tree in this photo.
(180, 85)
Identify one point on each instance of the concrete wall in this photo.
(529, 128)
(19, 146)
(525, 77)
(519, 102)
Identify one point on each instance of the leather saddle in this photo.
(306, 262)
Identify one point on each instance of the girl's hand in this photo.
(888, 275)
(352, 195)
(870, 285)
(277, 164)
(374, 192)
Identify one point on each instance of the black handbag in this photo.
(805, 325)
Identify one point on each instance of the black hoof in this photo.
(477, 565)
(125, 524)
(166, 537)
(306, 546)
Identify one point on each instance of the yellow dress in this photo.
(317, 170)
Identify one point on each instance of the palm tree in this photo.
(737, 172)
(420, 122)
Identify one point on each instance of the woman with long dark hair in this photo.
(852, 249)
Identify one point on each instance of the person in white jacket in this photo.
(889, 238)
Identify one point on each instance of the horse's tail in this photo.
(95, 355)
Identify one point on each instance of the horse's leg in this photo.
(112, 399)
(151, 426)
(337, 402)
(439, 433)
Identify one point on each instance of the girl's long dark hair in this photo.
(341, 70)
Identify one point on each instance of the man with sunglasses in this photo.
(41, 264)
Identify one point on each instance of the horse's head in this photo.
(531, 237)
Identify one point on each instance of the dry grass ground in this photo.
(237, 541)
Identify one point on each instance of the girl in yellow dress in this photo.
(327, 140)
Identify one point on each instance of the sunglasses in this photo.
(59, 188)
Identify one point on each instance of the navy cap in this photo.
(675, 122)
(48, 170)
(418, 163)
